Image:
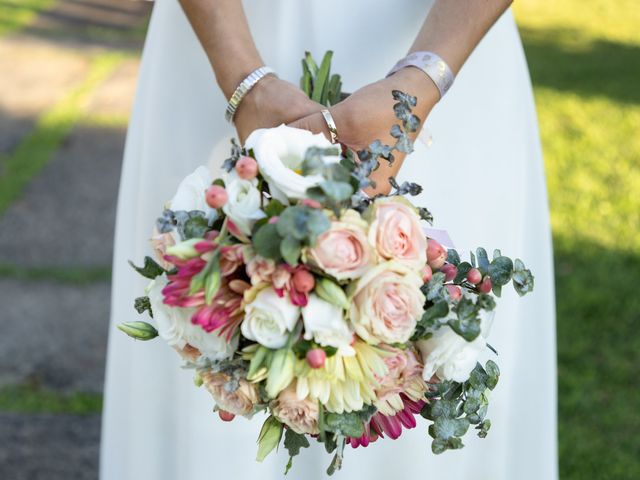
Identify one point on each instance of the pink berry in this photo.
(216, 196)
(454, 292)
(436, 254)
(303, 281)
(474, 276)
(486, 285)
(273, 219)
(226, 416)
(247, 168)
(427, 273)
(311, 203)
(316, 357)
(450, 271)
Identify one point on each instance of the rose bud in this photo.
(226, 416)
(247, 168)
(454, 292)
(316, 357)
(216, 196)
(303, 281)
(436, 254)
(474, 276)
(427, 273)
(450, 271)
(486, 285)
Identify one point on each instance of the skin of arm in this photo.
(223, 31)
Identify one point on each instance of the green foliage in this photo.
(139, 330)
(294, 442)
(150, 269)
(269, 438)
(142, 304)
(33, 399)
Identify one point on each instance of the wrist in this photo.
(413, 81)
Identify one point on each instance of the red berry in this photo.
(226, 416)
(474, 276)
(216, 196)
(436, 254)
(427, 273)
(455, 292)
(486, 285)
(303, 281)
(247, 168)
(316, 357)
(450, 271)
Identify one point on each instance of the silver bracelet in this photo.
(247, 84)
(431, 64)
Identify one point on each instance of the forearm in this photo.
(223, 31)
(454, 28)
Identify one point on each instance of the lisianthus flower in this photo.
(345, 383)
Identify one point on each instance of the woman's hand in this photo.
(367, 115)
(270, 103)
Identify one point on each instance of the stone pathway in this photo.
(53, 330)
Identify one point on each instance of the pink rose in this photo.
(386, 303)
(160, 242)
(301, 416)
(396, 232)
(404, 376)
(343, 250)
(239, 401)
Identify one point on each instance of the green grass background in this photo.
(584, 58)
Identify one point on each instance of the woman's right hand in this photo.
(270, 103)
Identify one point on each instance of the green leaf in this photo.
(143, 304)
(493, 374)
(274, 208)
(445, 428)
(320, 82)
(213, 279)
(139, 330)
(497, 290)
(266, 241)
(468, 323)
(483, 261)
(478, 378)
(294, 442)
(523, 280)
(434, 289)
(484, 428)
(500, 271)
(453, 257)
(463, 269)
(150, 269)
(195, 227)
(269, 438)
(348, 424)
(336, 191)
(290, 250)
(429, 322)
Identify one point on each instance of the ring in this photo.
(331, 125)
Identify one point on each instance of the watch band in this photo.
(247, 84)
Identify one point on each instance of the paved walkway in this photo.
(63, 110)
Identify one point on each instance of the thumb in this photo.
(314, 123)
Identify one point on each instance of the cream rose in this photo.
(239, 402)
(280, 152)
(396, 233)
(175, 327)
(190, 195)
(301, 415)
(449, 356)
(386, 303)
(243, 206)
(343, 250)
(269, 319)
(325, 324)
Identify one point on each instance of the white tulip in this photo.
(280, 152)
(269, 319)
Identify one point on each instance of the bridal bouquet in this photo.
(289, 291)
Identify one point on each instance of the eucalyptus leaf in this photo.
(266, 241)
(290, 250)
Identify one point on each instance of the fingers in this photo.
(314, 123)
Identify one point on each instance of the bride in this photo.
(483, 180)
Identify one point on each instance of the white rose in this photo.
(269, 319)
(243, 206)
(325, 323)
(279, 153)
(191, 193)
(175, 327)
(449, 356)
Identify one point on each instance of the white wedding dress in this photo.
(483, 181)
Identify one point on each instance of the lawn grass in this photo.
(585, 65)
(16, 14)
(30, 399)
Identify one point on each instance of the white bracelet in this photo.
(247, 84)
(431, 64)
